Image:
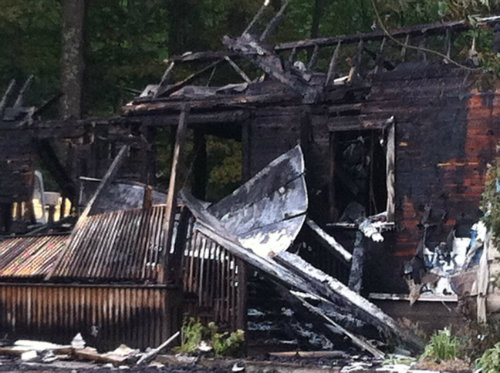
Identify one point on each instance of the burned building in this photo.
(392, 142)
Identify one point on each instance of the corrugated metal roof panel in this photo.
(30, 256)
(118, 245)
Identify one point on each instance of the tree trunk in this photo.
(185, 26)
(318, 10)
(72, 61)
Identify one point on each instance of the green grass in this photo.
(442, 346)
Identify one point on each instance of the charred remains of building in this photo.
(350, 171)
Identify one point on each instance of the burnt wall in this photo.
(17, 156)
(273, 130)
(447, 127)
(446, 133)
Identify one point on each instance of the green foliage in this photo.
(490, 361)
(191, 336)
(224, 344)
(127, 41)
(476, 338)
(224, 167)
(30, 34)
(491, 200)
(442, 346)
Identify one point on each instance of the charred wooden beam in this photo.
(379, 60)
(271, 26)
(5, 97)
(238, 70)
(203, 56)
(404, 48)
(200, 170)
(414, 30)
(422, 55)
(241, 317)
(177, 164)
(20, 97)
(270, 62)
(354, 73)
(49, 157)
(147, 202)
(106, 180)
(331, 288)
(174, 272)
(448, 43)
(358, 259)
(332, 164)
(164, 79)
(333, 64)
(295, 273)
(406, 32)
(175, 87)
(357, 340)
(228, 103)
(390, 172)
(257, 16)
(329, 242)
(314, 58)
(291, 57)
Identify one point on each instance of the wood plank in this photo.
(5, 97)
(328, 241)
(177, 164)
(238, 69)
(175, 87)
(106, 180)
(332, 210)
(390, 172)
(357, 340)
(357, 266)
(333, 64)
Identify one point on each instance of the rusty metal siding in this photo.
(214, 283)
(139, 316)
(114, 246)
(32, 257)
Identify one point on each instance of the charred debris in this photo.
(361, 179)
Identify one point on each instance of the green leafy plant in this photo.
(490, 361)
(191, 336)
(442, 346)
(491, 200)
(477, 337)
(224, 344)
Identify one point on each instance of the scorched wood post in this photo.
(177, 162)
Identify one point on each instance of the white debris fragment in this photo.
(394, 368)
(29, 355)
(49, 357)
(78, 342)
(238, 367)
(356, 367)
(254, 312)
(203, 346)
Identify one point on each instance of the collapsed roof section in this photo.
(291, 72)
(256, 224)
